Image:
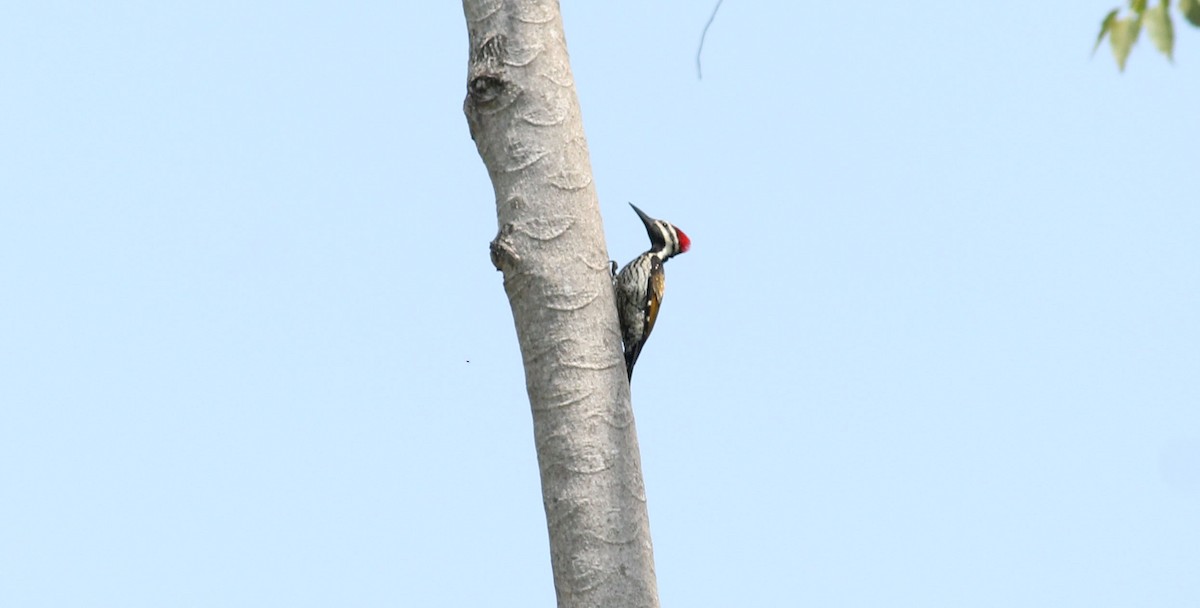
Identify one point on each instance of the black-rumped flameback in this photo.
(640, 284)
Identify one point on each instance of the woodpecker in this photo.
(640, 284)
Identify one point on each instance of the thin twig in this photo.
(699, 73)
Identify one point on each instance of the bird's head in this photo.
(664, 236)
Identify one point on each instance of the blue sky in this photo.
(936, 342)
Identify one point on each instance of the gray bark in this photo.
(524, 116)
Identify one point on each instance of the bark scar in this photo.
(504, 255)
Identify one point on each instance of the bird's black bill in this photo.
(647, 220)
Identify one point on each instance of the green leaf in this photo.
(1123, 34)
(1138, 6)
(1191, 10)
(1158, 25)
(1106, 25)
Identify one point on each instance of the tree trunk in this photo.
(524, 117)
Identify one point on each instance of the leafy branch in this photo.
(1123, 32)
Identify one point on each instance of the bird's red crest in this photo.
(684, 242)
